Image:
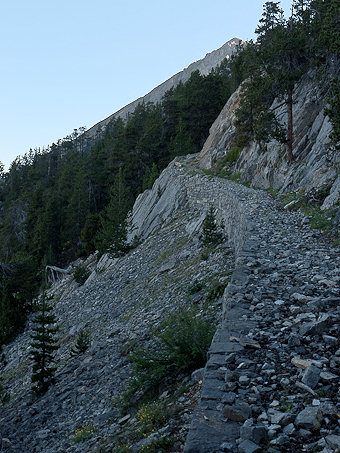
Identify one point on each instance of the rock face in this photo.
(316, 162)
(204, 66)
(221, 133)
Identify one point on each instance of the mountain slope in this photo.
(280, 285)
(204, 66)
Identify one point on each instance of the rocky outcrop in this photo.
(221, 133)
(316, 162)
(204, 66)
(175, 189)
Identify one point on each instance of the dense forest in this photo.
(72, 198)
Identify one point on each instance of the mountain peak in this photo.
(204, 66)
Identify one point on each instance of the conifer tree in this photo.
(150, 177)
(211, 235)
(112, 237)
(44, 345)
(6, 323)
(282, 54)
(333, 111)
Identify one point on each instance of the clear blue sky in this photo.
(71, 63)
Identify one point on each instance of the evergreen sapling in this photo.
(211, 235)
(44, 345)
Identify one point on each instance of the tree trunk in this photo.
(290, 126)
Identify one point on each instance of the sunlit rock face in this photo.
(315, 161)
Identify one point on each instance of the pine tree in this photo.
(333, 111)
(271, 18)
(112, 237)
(211, 235)
(88, 234)
(6, 315)
(150, 177)
(44, 345)
(282, 51)
(82, 343)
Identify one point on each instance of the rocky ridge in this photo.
(204, 66)
(272, 378)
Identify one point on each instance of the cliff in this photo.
(316, 162)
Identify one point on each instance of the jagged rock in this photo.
(227, 447)
(301, 363)
(311, 376)
(334, 195)
(229, 398)
(289, 430)
(238, 412)
(255, 433)
(275, 416)
(315, 328)
(305, 387)
(328, 377)
(247, 446)
(333, 441)
(105, 262)
(316, 162)
(309, 418)
(197, 375)
(291, 204)
(123, 420)
(221, 132)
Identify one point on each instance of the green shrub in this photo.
(216, 290)
(152, 416)
(224, 165)
(82, 343)
(204, 254)
(81, 274)
(180, 344)
(195, 288)
(233, 155)
(4, 396)
(158, 443)
(85, 432)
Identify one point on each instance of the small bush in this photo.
(158, 443)
(83, 433)
(216, 290)
(233, 155)
(4, 396)
(83, 341)
(224, 165)
(150, 416)
(195, 288)
(81, 274)
(204, 254)
(180, 344)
